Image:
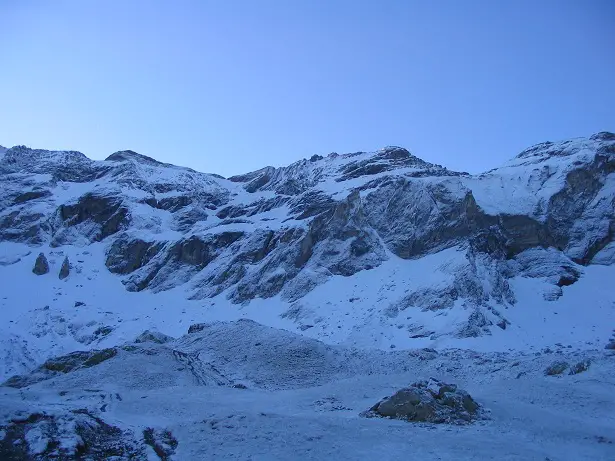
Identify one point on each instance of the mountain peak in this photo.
(603, 136)
(566, 147)
(395, 152)
(126, 155)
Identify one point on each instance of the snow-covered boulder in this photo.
(429, 401)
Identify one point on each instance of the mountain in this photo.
(378, 249)
(364, 271)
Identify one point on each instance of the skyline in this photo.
(232, 87)
(299, 159)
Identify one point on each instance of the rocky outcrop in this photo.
(557, 368)
(580, 367)
(96, 216)
(153, 337)
(62, 365)
(161, 441)
(127, 255)
(429, 401)
(65, 269)
(39, 436)
(41, 266)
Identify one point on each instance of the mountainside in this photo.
(378, 249)
(154, 312)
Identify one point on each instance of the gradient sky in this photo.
(229, 86)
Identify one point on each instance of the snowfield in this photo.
(302, 400)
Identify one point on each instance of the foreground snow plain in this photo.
(306, 404)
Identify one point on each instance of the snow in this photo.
(524, 184)
(531, 417)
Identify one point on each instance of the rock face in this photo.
(429, 401)
(285, 231)
(41, 266)
(94, 439)
(65, 269)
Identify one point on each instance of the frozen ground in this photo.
(303, 398)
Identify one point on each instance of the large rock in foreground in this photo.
(65, 269)
(429, 402)
(41, 266)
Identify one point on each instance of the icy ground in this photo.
(302, 400)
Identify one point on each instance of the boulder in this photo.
(41, 266)
(153, 337)
(557, 368)
(65, 269)
(580, 367)
(195, 327)
(430, 402)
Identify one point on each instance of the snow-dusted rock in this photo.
(65, 269)
(41, 266)
(428, 402)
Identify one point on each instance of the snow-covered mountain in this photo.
(364, 259)
(378, 249)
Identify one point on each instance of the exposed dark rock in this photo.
(476, 325)
(65, 269)
(200, 252)
(153, 337)
(95, 439)
(196, 327)
(557, 368)
(61, 365)
(311, 204)
(580, 367)
(127, 255)
(568, 279)
(162, 442)
(33, 195)
(41, 266)
(106, 211)
(428, 401)
(103, 331)
(22, 226)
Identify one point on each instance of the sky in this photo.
(230, 86)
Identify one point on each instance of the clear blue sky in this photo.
(229, 86)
